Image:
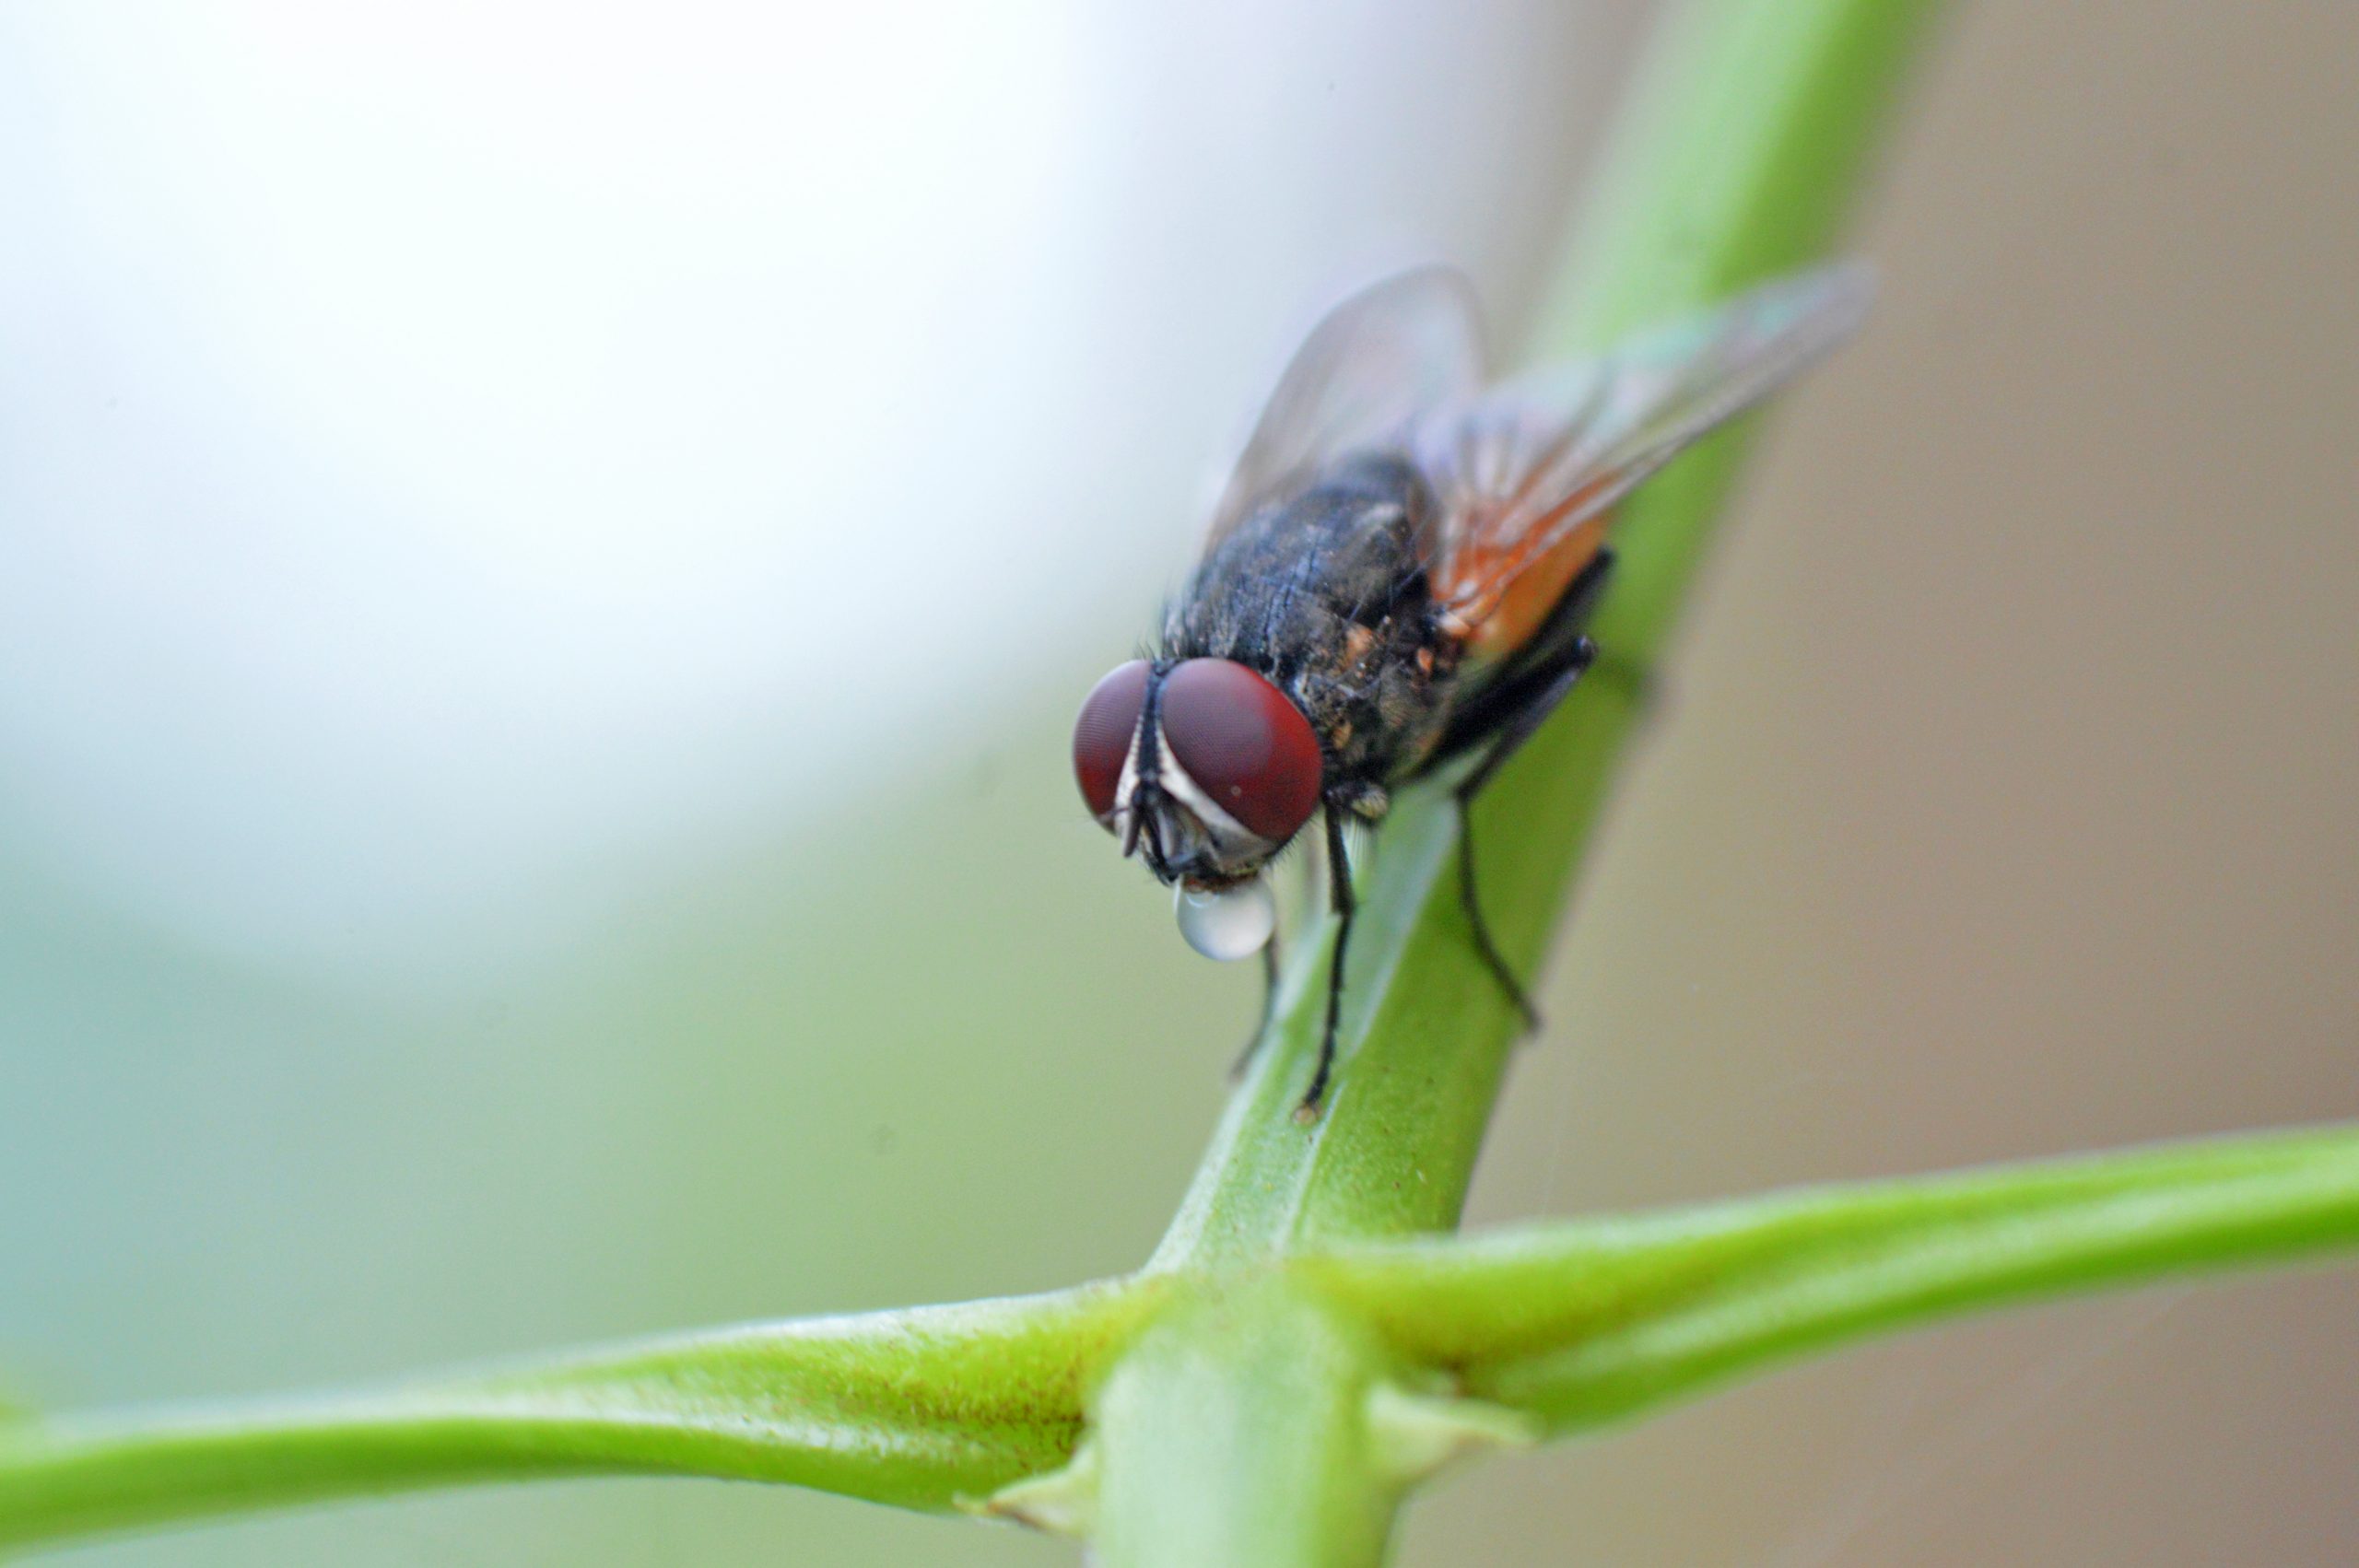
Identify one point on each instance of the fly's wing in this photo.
(1396, 350)
(1526, 475)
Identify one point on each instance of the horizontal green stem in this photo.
(923, 1409)
(1587, 1322)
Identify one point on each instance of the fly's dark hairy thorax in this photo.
(1327, 595)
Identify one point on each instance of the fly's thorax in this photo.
(1327, 594)
(1380, 697)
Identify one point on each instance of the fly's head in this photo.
(1204, 771)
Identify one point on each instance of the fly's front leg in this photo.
(1338, 895)
(1519, 727)
(1268, 1005)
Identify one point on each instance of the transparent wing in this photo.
(1391, 353)
(1527, 473)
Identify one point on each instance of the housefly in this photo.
(1396, 582)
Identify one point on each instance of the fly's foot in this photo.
(1516, 996)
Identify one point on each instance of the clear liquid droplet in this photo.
(1235, 922)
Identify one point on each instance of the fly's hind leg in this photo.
(1518, 728)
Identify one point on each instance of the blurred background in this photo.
(545, 561)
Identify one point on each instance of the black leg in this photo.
(1519, 728)
(1493, 959)
(1521, 724)
(1339, 894)
(1269, 1004)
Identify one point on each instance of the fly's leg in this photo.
(1484, 946)
(1268, 1005)
(1338, 895)
(1519, 728)
(1271, 962)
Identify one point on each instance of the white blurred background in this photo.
(456, 448)
(545, 556)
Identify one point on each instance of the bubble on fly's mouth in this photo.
(1231, 922)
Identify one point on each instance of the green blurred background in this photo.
(544, 567)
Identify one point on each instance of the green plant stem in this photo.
(1587, 1322)
(924, 1408)
(1271, 1415)
(1757, 124)
(1753, 130)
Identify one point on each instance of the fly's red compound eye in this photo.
(1244, 743)
(1101, 736)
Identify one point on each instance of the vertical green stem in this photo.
(1749, 137)
(1237, 1431)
